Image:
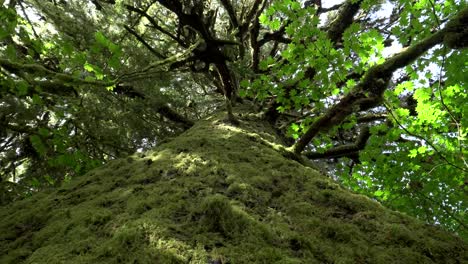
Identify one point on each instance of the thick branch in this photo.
(156, 25)
(62, 79)
(254, 33)
(371, 118)
(335, 31)
(148, 46)
(166, 111)
(232, 14)
(343, 20)
(368, 93)
(19, 69)
(276, 36)
(250, 16)
(159, 65)
(193, 19)
(159, 107)
(324, 10)
(344, 150)
(229, 88)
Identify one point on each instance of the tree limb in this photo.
(232, 14)
(250, 16)
(18, 68)
(324, 10)
(343, 150)
(335, 32)
(368, 93)
(143, 41)
(343, 20)
(276, 36)
(61, 79)
(156, 25)
(371, 117)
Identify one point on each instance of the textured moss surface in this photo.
(216, 194)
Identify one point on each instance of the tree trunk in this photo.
(218, 193)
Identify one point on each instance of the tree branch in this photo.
(254, 33)
(63, 79)
(167, 112)
(324, 10)
(191, 19)
(232, 14)
(371, 117)
(156, 25)
(148, 46)
(335, 32)
(276, 36)
(18, 68)
(368, 93)
(343, 150)
(250, 16)
(343, 21)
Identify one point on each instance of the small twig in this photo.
(143, 41)
(444, 57)
(29, 21)
(423, 139)
(445, 209)
(435, 15)
(328, 9)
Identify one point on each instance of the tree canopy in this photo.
(372, 91)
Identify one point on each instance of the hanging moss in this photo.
(217, 194)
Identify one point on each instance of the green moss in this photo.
(216, 193)
(218, 215)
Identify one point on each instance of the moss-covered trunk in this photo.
(216, 194)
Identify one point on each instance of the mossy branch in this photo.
(343, 20)
(157, 65)
(368, 93)
(343, 150)
(62, 83)
(36, 69)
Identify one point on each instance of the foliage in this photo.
(85, 82)
(415, 161)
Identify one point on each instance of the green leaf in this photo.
(294, 127)
(413, 153)
(422, 149)
(49, 179)
(422, 94)
(22, 88)
(114, 48)
(275, 24)
(43, 132)
(378, 193)
(404, 87)
(95, 69)
(263, 19)
(37, 100)
(35, 182)
(101, 39)
(402, 112)
(38, 145)
(245, 83)
(11, 53)
(114, 62)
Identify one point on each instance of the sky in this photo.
(330, 3)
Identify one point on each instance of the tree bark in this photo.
(218, 193)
